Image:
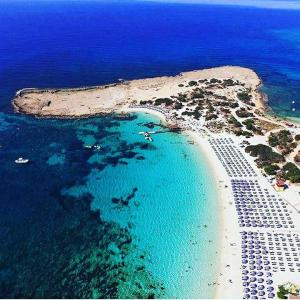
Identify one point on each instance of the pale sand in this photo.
(229, 254)
(116, 98)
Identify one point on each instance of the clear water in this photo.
(175, 199)
(129, 220)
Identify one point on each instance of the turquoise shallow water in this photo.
(174, 199)
(133, 219)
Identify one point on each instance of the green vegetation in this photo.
(180, 85)
(211, 117)
(221, 97)
(178, 105)
(165, 101)
(283, 140)
(232, 120)
(282, 292)
(197, 94)
(292, 172)
(228, 82)
(210, 108)
(182, 97)
(233, 104)
(245, 133)
(144, 102)
(193, 83)
(287, 289)
(244, 96)
(271, 169)
(283, 136)
(249, 123)
(265, 155)
(214, 80)
(297, 137)
(243, 113)
(196, 114)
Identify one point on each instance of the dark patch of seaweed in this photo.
(84, 257)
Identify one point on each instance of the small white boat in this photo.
(88, 146)
(22, 160)
(97, 147)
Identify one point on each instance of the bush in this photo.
(211, 117)
(228, 82)
(265, 154)
(271, 169)
(197, 95)
(178, 105)
(232, 120)
(144, 102)
(182, 97)
(297, 137)
(249, 124)
(166, 101)
(282, 293)
(292, 172)
(282, 137)
(233, 104)
(193, 83)
(242, 113)
(214, 80)
(244, 96)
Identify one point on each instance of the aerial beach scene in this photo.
(150, 149)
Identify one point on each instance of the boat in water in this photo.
(147, 135)
(22, 160)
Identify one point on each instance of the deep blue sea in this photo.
(133, 219)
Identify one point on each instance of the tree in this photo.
(271, 169)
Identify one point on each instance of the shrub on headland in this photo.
(292, 172)
(242, 113)
(232, 120)
(166, 101)
(193, 83)
(271, 169)
(281, 137)
(265, 155)
(244, 96)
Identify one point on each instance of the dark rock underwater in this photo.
(55, 246)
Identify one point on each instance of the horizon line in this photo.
(264, 4)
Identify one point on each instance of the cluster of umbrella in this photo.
(256, 207)
(256, 270)
(232, 159)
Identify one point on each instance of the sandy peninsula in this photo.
(82, 102)
(255, 159)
